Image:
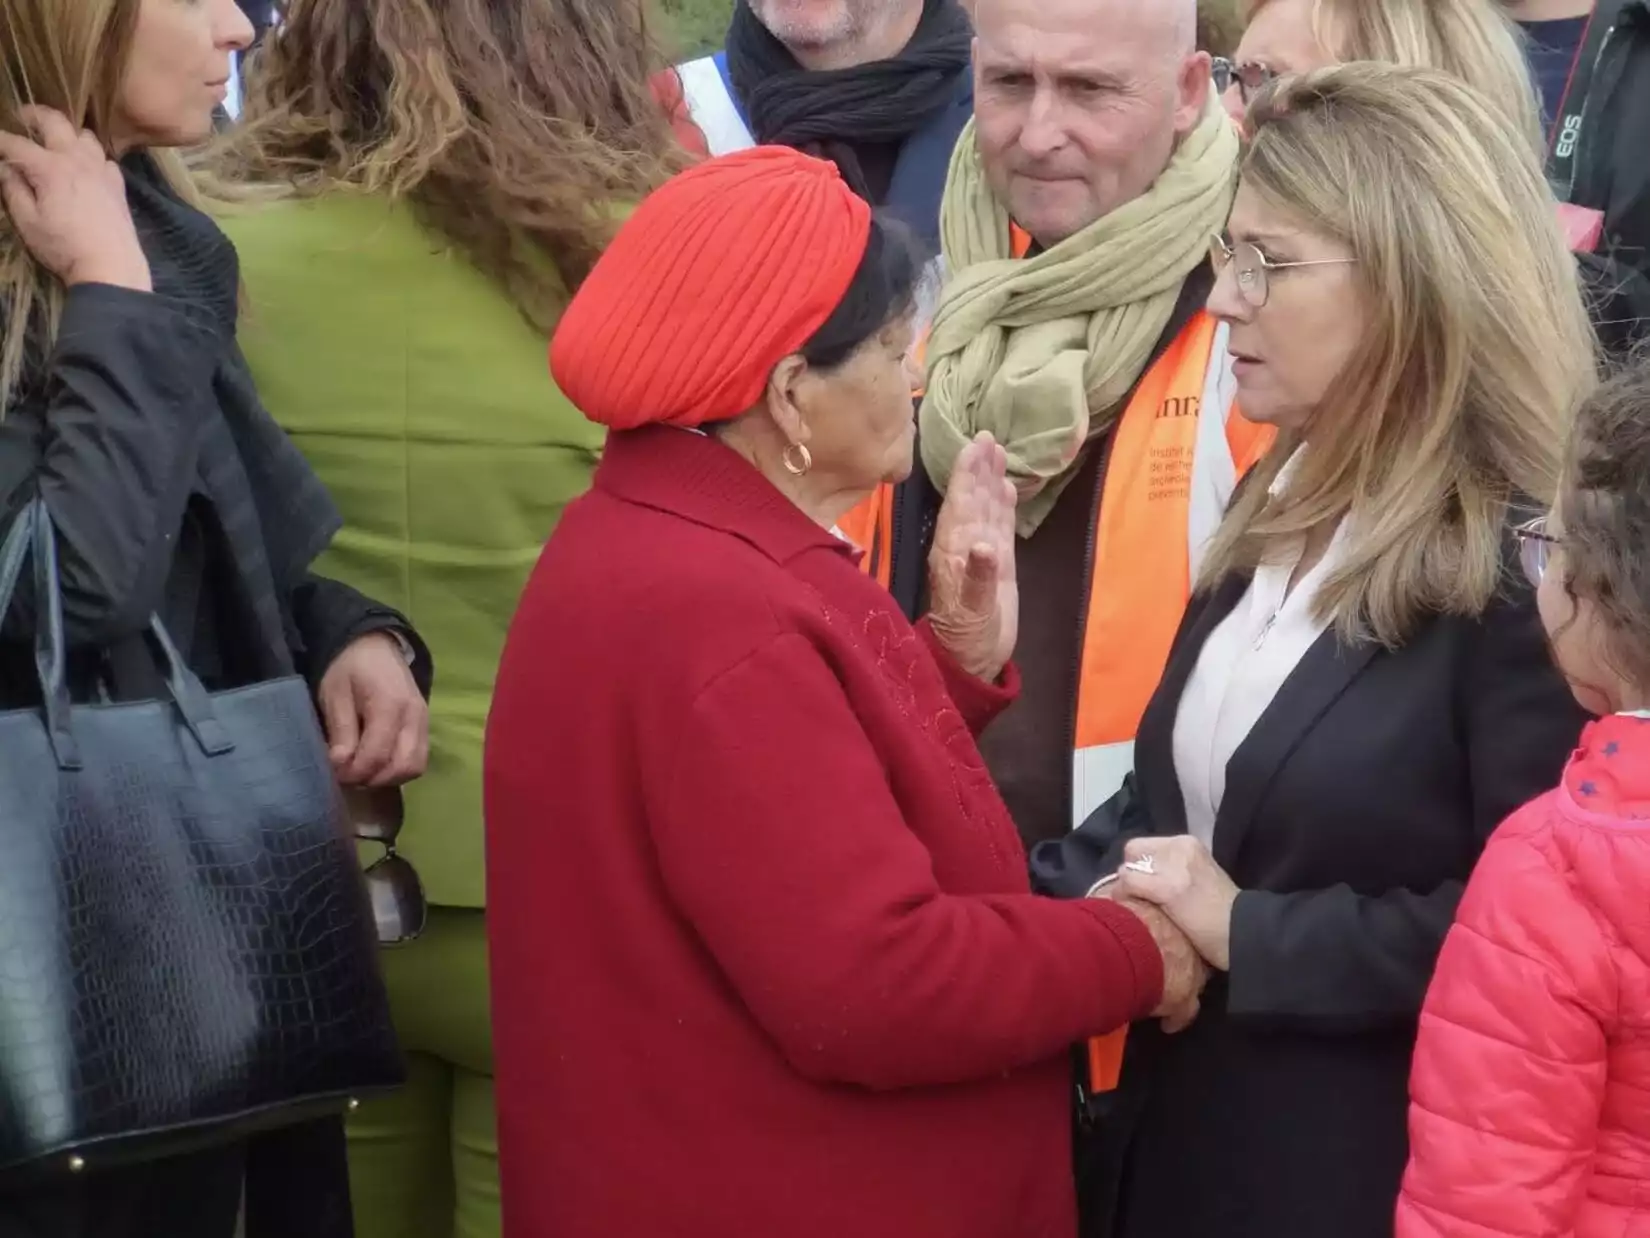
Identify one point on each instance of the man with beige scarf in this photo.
(1076, 224)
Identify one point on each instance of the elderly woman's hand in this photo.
(1184, 880)
(1185, 972)
(974, 600)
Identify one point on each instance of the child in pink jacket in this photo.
(1530, 1110)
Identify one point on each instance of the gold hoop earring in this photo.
(803, 462)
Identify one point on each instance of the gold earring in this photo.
(803, 462)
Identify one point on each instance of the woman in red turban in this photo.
(764, 957)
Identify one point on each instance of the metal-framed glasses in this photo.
(1249, 76)
(399, 907)
(1254, 269)
(1535, 547)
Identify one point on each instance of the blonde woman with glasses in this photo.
(1360, 691)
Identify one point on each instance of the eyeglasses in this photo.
(1535, 547)
(1254, 268)
(1250, 76)
(399, 907)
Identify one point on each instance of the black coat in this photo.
(113, 444)
(1352, 816)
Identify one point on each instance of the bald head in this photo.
(1171, 24)
(1180, 24)
(1079, 104)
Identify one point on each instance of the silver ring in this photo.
(1145, 864)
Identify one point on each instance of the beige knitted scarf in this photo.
(1041, 350)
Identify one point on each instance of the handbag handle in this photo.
(33, 531)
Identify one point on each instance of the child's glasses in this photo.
(1535, 545)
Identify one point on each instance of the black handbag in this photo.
(186, 952)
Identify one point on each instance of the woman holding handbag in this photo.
(184, 526)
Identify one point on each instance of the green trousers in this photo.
(424, 1160)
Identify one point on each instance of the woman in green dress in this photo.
(414, 187)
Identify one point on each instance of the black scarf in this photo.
(828, 112)
(273, 515)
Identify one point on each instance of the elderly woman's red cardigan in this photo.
(764, 960)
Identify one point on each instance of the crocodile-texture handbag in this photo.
(186, 951)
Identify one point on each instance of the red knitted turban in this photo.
(721, 273)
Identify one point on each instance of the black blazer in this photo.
(1353, 814)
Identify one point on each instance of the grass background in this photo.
(693, 26)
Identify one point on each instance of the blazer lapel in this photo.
(1154, 742)
(1326, 671)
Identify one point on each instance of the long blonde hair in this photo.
(516, 130)
(69, 55)
(1477, 348)
(1473, 39)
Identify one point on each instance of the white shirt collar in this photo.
(1286, 474)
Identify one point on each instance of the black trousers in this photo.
(295, 1180)
(195, 1196)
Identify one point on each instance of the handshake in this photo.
(1185, 901)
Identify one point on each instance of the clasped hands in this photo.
(1185, 900)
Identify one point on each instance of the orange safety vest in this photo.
(1163, 450)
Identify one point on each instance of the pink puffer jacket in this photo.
(1530, 1110)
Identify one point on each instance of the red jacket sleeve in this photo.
(781, 842)
(976, 700)
(1510, 1065)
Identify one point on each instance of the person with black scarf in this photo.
(881, 88)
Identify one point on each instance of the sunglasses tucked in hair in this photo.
(1250, 76)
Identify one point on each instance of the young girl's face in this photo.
(1573, 631)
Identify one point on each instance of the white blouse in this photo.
(1244, 662)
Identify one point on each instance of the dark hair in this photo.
(1605, 511)
(884, 288)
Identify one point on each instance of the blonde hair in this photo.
(1476, 352)
(69, 55)
(1473, 39)
(515, 130)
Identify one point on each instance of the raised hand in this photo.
(67, 202)
(974, 599)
